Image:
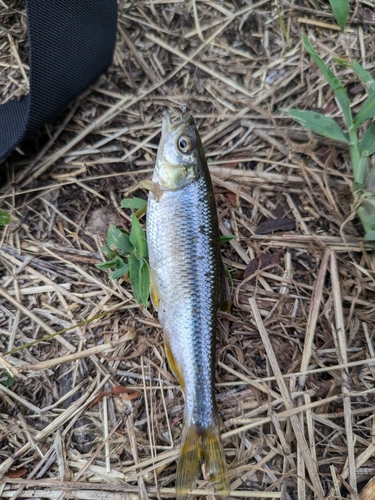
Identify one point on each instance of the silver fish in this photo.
(188, 286)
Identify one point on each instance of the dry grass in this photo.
(295, 375)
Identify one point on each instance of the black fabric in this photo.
(71, 44)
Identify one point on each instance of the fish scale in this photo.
(186, 278)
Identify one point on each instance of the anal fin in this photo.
(174, 366)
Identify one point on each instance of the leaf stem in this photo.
(362, 172)
(355, 156)
(364, 218)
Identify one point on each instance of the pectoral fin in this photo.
(151, 186)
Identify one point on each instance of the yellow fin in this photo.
(189, 464)
(151, 186)
(201, 446)
(174, 366)
(215, 462)
(154, 296)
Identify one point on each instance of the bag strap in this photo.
(71, 44)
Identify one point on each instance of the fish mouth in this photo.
(168, 126)
(167, 121)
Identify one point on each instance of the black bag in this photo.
(71, 44)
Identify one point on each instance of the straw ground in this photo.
(94, 413)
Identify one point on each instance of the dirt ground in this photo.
(95, 413)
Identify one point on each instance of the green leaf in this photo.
(133, 203)
(366, 212)
(370, 236)
(7, 381)
(139, 274)
(138, 238)
(367, 144)
(119, 271)
(118, 240)
(110, 254)
(121, 267)
(134, 267)
(224, 238)
(318, 123)
(334, 82)
(343, 61)
(366, 112)
(340, 9)
(144, 283)
(370, 187)
(4, 218)
(364, 76)
(116, 261)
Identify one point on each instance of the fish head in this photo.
(177, 158)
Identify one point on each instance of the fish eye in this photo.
(184, 144)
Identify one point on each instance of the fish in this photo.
(188, 286)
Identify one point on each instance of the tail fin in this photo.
(189, 464)
(216, 465)
(201, 446)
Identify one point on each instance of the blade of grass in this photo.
(343, 101)
(318, 123)
(224, 238)
(366, 112)
(367, 144)
(340, 9)
(364, 76)
(334, 82)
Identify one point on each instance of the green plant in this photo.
(340, 9)
(127, 254)
(4, 218)
(7, 380)
(360, 148)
